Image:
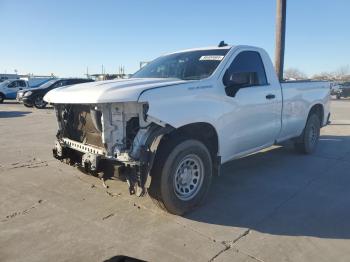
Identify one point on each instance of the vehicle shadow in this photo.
(282, 192)
(123, 259)
(10, 114)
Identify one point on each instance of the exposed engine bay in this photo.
(116, 139)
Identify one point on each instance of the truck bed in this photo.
(298, 97)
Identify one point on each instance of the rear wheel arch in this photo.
(312, 127)
(319, 110)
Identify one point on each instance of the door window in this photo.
(247, 69)
(72, 81)
(22, 83)
(59, 84)
(14, 84)
(64, 83)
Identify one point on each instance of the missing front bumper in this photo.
(93, 161)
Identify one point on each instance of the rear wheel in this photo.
(39, 102)
(2, 98)
(181, 175)
(308, 140)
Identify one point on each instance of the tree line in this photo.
(342, 74)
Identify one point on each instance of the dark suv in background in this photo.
(34, 96)
(343, 91)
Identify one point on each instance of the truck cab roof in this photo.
(201, 49)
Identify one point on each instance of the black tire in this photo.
(338, 96)
(178, 163)
(39, 102)
(26, 105)
(308, 140)
(2, 98)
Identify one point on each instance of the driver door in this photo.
(12, 89)
(254, 120)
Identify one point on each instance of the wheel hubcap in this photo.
(188, 178)
(39, 101)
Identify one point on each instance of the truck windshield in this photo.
(191, 65)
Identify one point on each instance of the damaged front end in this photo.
(114, 139)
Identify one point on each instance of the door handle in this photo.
(270, 96)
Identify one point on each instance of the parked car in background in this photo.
(20, 93)
(9, 88)
(179, 118)
(34, 96)
(343, 90)
(335, 87)
(38, 81)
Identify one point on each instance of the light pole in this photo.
(280, 37)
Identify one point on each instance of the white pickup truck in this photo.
(170, 127)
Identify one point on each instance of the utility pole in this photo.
(280, 37)
(102, 73)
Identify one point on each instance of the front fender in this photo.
(183, 104)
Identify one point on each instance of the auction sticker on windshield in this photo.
(211, 57)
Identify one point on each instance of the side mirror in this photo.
(237, 80)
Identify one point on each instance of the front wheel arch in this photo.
(203, 132)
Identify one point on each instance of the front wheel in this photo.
(181, 176)
(39, 102)
(308, 140)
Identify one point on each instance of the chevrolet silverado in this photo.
(168, 128)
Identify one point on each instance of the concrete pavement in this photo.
(275, 205)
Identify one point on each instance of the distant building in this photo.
(101, 77)
(4, 77)
(33, 80)
(36, 80)
(105, 76)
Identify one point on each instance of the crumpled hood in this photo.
(121, 90)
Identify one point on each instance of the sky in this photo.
(66, 37)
